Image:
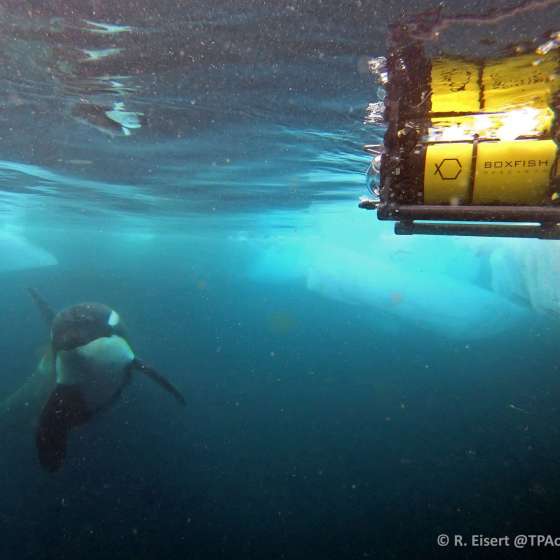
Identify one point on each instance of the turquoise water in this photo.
(350, 393)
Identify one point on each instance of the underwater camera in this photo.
(471, 144)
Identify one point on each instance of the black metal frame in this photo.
(479, 230)
(480, 221)
(534, 214)
(520, 221)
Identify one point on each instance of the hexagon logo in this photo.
(448, 169)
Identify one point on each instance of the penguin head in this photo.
(80, 324)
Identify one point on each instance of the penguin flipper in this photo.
(150, 372)
(65, 409)
(47, 312)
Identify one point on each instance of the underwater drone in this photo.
(471, 144)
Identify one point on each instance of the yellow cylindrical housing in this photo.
(472, 131)
(455, 86)
(447, 173)
(512, 172)
(489, 138)
(515, 172)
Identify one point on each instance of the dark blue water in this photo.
(350, 394)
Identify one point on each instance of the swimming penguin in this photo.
(92, 362)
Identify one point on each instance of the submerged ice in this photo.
(20, 254)
(459, 289)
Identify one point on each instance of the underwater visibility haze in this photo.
(349, 393)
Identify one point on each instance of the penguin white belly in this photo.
(98, 368)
